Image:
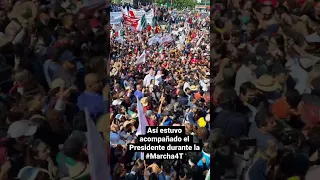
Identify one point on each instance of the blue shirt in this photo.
(167, 122)
(138, 93)
(115, 138)
(93, 101)
(207, 157)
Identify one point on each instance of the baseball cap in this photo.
(21, 128)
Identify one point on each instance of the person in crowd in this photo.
(265, 51)
(171, 79)
(53, 68)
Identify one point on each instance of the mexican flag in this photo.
(169, 28)
(142, 23)
(154, 22)
(160, 49)
(119, 33)
(149, 28)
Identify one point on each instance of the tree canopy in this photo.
(179, 3)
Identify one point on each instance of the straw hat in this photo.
(12, 29)
(126, 123)
(117, 65)
(55, 86)
(266, 83)
(193, 88)
(114, 72)
(23, 11)
(144, 101)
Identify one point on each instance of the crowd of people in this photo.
(53, 58)
(251, 66)
(171, 81)
(265, 70)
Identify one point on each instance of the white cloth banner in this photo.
(149, 16)
(138, 13)
(182, 39)
(143, 123)
(125, 11)
(97, 150)
(116, 17)
(120, 39)
(155, 39)
(141, 59)
(117, 27)
(199, 41)
(166, 38)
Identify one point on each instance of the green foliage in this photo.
(161, 2)
(184, 3)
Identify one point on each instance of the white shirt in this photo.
(203, 85)
(299, 75)
(147, 80)
(313, 173)
(158, 80)
(185, 86)
(244, 74)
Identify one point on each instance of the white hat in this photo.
(308, 62)
(21, 128)
(207, 118)
(117, 102)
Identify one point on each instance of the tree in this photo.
(184, 3)
(161, 2)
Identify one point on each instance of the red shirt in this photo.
(152, 123)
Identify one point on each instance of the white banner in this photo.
(149, 16)
(116, 17)
(155, 39)
(141, 59)
(137, 13)
(166, 38)
(182, 38)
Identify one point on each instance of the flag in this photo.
(97, 151)
(131, 13)
(116, 17)
(199, 41)
(125, 10)
(119, 33)
(182, 38)
(141, 59)
(142, 23)
(208, 175)
(153, 22)
(149, 28)
(160, 49)
(166, 38)
(169, 28)
(143, 123)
